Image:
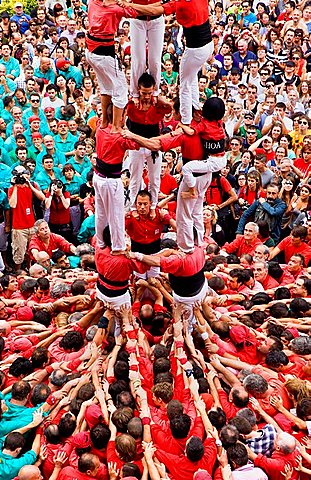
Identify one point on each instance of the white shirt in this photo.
(287, 122)
(46, 102)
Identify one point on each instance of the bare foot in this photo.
(197, 115)
(189, 194)
(136, 101)
(152, 214)
(135, 214)
(118, 252)
(155, 99)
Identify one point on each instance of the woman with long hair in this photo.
(87, 88)
(296, 55)
(222, 91)
(286, 141)
(71, 86)
(213, 233)
(253, 189)
(304, 90)
(244, 164)
(275, 133)
(64, 43)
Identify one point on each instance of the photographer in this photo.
(57, 205)
(21, 202)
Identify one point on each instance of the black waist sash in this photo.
(198, 35)
(109, 170)
(144, 130)
(187, 286)
(123, 284)
(146, 248)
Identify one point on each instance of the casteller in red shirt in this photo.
(55, 242)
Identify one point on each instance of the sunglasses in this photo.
(35, 101)
(301, 122)
(221, 88)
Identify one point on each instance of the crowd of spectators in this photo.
(220, 391)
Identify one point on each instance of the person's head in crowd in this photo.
(229, 436)
(261, 253)
(37, 271)
(13, 444)
(302, 287)
(256, 385)
(39, 357)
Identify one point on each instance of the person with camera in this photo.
(57, 213)
(21, 195)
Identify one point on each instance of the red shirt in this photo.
(210, 130)
(251, 195)
(55, 242)
(144, 230)
(116, 268)
(153, 115)
(213, 195)
(188, 14)
(286, 245)
(74, 474)
(104, 22)
(113, 457)
(59, 215)
(165, 440)
(167, 184)
(181, 468)
(302, 165)
(184, 265)
(228, 407)
(22, 214)
(274, 466)
(269, 282)
(269, 155)
(240, 247)
(112, 147)
(191, 146)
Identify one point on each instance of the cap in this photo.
(289, 63)
(93, 415)
(18, 4)
(63, 122)
(36, 135)
(249, 114)
(34, 118)
(243, 84)
(293, 331)
(21, 345)
(62, 62)
(81, 440)
(213, 109)
(49, 109)
(202, 475)
(5, 15)
(24, 313)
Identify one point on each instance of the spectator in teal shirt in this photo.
(10, 63)
(80, 162)
(64, 140)
(6, 113)
(49, 148)
(48, 173)
(87, 229)
(10, 459)
(34, 110)
(5, 179)
(45, 70)
(68, 71)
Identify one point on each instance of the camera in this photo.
(18, 175)
(18, 179)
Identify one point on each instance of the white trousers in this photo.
(110, 77)
(115, 303)
(190, 301)
(189, 212)
(212, 164)
(137, 161)
(109, 210)
(141, 32)
(191, 62)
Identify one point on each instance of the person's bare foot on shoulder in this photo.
(135, 214)
(152, 213)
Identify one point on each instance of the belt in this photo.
(148, 17)
(97, 39)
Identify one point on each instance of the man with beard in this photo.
(270, 209)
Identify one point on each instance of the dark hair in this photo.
(67, 425)
(39, 357)
(40, 393)
(146, 80)
(194, 449)
(72, 340)
(217, 418)
(21, 366)
(238, 454)
(180, 425)
(100, 436)
(13, 441)
(20, 390)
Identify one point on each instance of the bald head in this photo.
(29, 472)
(285, 442)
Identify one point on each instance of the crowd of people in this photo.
(155, 240)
